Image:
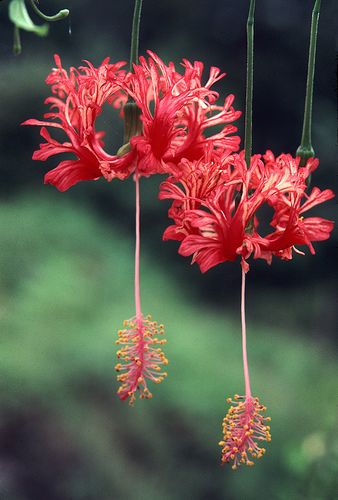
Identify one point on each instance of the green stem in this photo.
(60, 15)
(305, 149)
(17, 41)
(249, 83)
(135, 34)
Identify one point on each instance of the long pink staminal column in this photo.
(244, 350)
(244, 426)
(137, 248)
(140, 356)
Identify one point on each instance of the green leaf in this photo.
(19, 16)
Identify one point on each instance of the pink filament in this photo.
(137, 249)
(245, 356)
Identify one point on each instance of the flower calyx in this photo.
(132, 126)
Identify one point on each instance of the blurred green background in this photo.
(66, 283)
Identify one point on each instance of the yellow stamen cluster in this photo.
(140, 357)
(243, 426)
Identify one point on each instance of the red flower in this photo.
(291, 228)
(218, 224)
(75, 104)
(166, 118)
(193, 182)
(175, 112)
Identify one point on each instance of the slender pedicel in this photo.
(244, 426)
(140, 353)
(132, 121)
(305, 150)
(249, 83)
(17, 47)
(135, 34)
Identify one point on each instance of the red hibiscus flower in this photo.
(218, 224)
(165, 113)
(75, 104)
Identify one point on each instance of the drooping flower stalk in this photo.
(140, 356)
(17, 48)
(135, 34)
(305, 149)
(244, 424)
(140, 352)
(249, 83)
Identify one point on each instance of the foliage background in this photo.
(66, 278)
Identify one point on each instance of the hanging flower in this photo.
(165, 113)
(291, 228)
(193, 182)
(223, 222)
(76, 103)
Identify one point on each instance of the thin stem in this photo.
(305, 149)
(60, 15)
(133, 59)
(135, 34)
(245, 355)
(137, 247)
(249, 83)
(16, 41)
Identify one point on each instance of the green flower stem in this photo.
(60, 15)
(249, 83)
(305, 149)
(135, 34)
(16, 41)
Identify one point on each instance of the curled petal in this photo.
(70, 172)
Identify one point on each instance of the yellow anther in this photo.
(242, 429)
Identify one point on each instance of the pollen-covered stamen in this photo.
(140, 357)
(243, 428)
